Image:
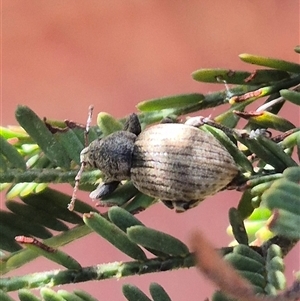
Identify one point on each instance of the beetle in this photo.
(177, 163)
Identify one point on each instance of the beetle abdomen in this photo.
(180, 162)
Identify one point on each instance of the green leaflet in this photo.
(238, 227)
(263, 179)
(276, 263)
(270, 62)
(260, 188)
(274, 251)
(71, 143)
(158, 293)
(250, 265)
(276, 151)
(114, 235)
(268, 120)
(269, 152)
(54, 255)
(38, 131)
(58, 202)
(20, 189)
(249, 253)
(259, 214)
(108, 124)
(245, 207)
(283, 198)
(133, 293)
(36, 215)
(290, 140)
(285, 223)
(27, 295)
(236, 154)
(84, 295)
(7, 242)
(50, 295)
(275, 267)
(256, 279)
(239, 77)
(157, 240)
(273, 89)
(228, 118)
(292, 96)
(245, 263)
(170, 102)
(122, 218)
(5, 297)
(11, 154)
(256, 200)
(277, 279)
(292, 174)
(283, 194)
(23, 225)
(44, 202)
(13, 132)
(68, 296)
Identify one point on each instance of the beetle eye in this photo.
(84, 155)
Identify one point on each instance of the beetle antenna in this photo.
(82, 162)
(88, 125)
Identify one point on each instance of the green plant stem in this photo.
(98, 272)
(47, 176)
(210, 100)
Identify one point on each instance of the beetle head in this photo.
(112, 155)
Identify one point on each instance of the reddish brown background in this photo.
(60, 56)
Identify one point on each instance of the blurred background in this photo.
(58, 57)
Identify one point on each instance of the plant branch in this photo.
(46, 176)
(98, 272)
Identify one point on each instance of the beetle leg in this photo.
(239, 183)
(132, 124)
(200, 120)
(196, 121)
(168, 119)
(169, 204)
(181, 206)
(104, 189)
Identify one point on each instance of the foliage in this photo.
(265, 224)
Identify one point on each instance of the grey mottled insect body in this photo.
(176, 163)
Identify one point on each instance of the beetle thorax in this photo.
(112, 155)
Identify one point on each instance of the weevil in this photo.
(177, 163)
